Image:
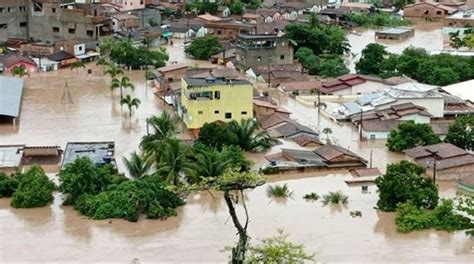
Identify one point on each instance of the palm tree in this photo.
(113, 71)
(137, 166)
(130, 102)
(327, 131)
(121, 83)
(210, 162)
(104, 62)
(249, 136)
(173, 161)
(163, 127)
(19, 70)
(76, 65)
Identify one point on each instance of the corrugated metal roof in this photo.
(11, 92)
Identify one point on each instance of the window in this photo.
(79, 48)
(372, 136)
(3, 26)
(243, 112)
(23, 24)
(170, 79)
(90, 33)
(10, 9)
(72, 30)
(259, 58)
(37, 7)
(216, 112)
(53, 10)
(438, 12)
(141, 2)
(282, 57)
(55, 29)
(228, 115)
(1, 10)
(217, 94)
(22, 8)
(199, 112)
(219, 32)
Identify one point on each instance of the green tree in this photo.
(203, 48)
(105, 45)
(249, 135)
(121, 83)
(217, 135)
(327, 131)
(399, 4)
(83, 177)
(278, 249)
(35, 189)
(113, 71)
(124, 52)
(461, 132)
(173, 162)
(163, 127)
(409, 135)
(333, 67)
(76, 65)
(19, 70)
(8, 185)
(372, 59)
(404, 182)
(237, 8)
(137, 165)
(205, 6)
(130, 102)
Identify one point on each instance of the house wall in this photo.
(234, 99)
(30, 68)
(419, 119)
(263, 57)
(375, 135)
(424, 10)
(13, 19)
(459, 22)
(173, 76)
(456, 173)
(363, 88)
(128, 5)
(434, 106)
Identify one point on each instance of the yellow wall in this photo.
(234, 98)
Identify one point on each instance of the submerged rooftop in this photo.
(99, 152)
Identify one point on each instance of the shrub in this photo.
(311, 196)
(203, 48)
(279, 191)
(355, 213)
(270, 170)
(335, 198)
(445, 217)
(409, 135)
(8, 185)
(34, 189)
(147, 195)
(410, 217)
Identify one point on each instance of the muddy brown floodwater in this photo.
(202, 228)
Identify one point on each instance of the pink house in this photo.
(10, 61)
(127, 5)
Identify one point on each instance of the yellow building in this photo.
(206, 100)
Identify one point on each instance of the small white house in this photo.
(45, 64)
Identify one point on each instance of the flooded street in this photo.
(202, 228)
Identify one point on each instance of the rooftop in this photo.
(172, 67)
(99, 152)
(210, 81)
(259, 36)
(395, 31)
(10, 156)
(11, 93)
(464, 90)
(442, 151)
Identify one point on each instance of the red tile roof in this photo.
(345, 81)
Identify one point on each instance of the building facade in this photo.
(13, 19)
(263, 50)
(207, 100)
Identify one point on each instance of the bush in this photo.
(335, 198)
(146, 195)
(403, 182)
(123, 52)
(34, 189)
(8, 185)
(270, 170)
(409, 135)
(445, 218)
(410, 217)
(279, 191)
(83, 177)
(376, 20)
(203, 48)
(311, 196)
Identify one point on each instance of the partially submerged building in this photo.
(262, 50)
(452, 162)
(100, 153)
(11, 94)
(395, 33)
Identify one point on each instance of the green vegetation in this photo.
(325, 66)
(237, 8)
(444, 217)
(399, 4)
(378, 19)
(137, 165)
(76, 65)
(202, 7)
(416, 63)
(121, 83)
(130, 103)
(335, 198)
(245, 134)
(404, 182)
(355, 213)
(279, 191)
(461, 133)
(8, 185)
(278, 250)
(129, 199)
(327, 131)
(409, 135)
(203, 48)
(34, 189)
(311, 196)
(458, 40)
(123, 52)
(19, 70)
(173, 161)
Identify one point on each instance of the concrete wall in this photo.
(363, 88)
(127, 5)
(456, 173)
(281, 54)
(419, 119)
(424, 10)
(13, 19)
(434, 106)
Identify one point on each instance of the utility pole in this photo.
(360, 124)
(434, 166)
(371, 152)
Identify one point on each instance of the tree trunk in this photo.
(121, 93)
(238, 252)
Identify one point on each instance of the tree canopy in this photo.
(35, 189)
(203, 48)
(326, 66)
(404, 182)
(8, 185)
(409, 135)
(461, 133)
(123, 52)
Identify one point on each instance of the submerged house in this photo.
(100, 153)
(325, 157)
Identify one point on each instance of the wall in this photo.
(424, 10)
(128, 5)
(234, 99)
(419, 119)
(456, 173)
(13, 14)
(363, 88)
(173, 76)
(29, 67)
(264, 57)
(434, 106)
(375, 135)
